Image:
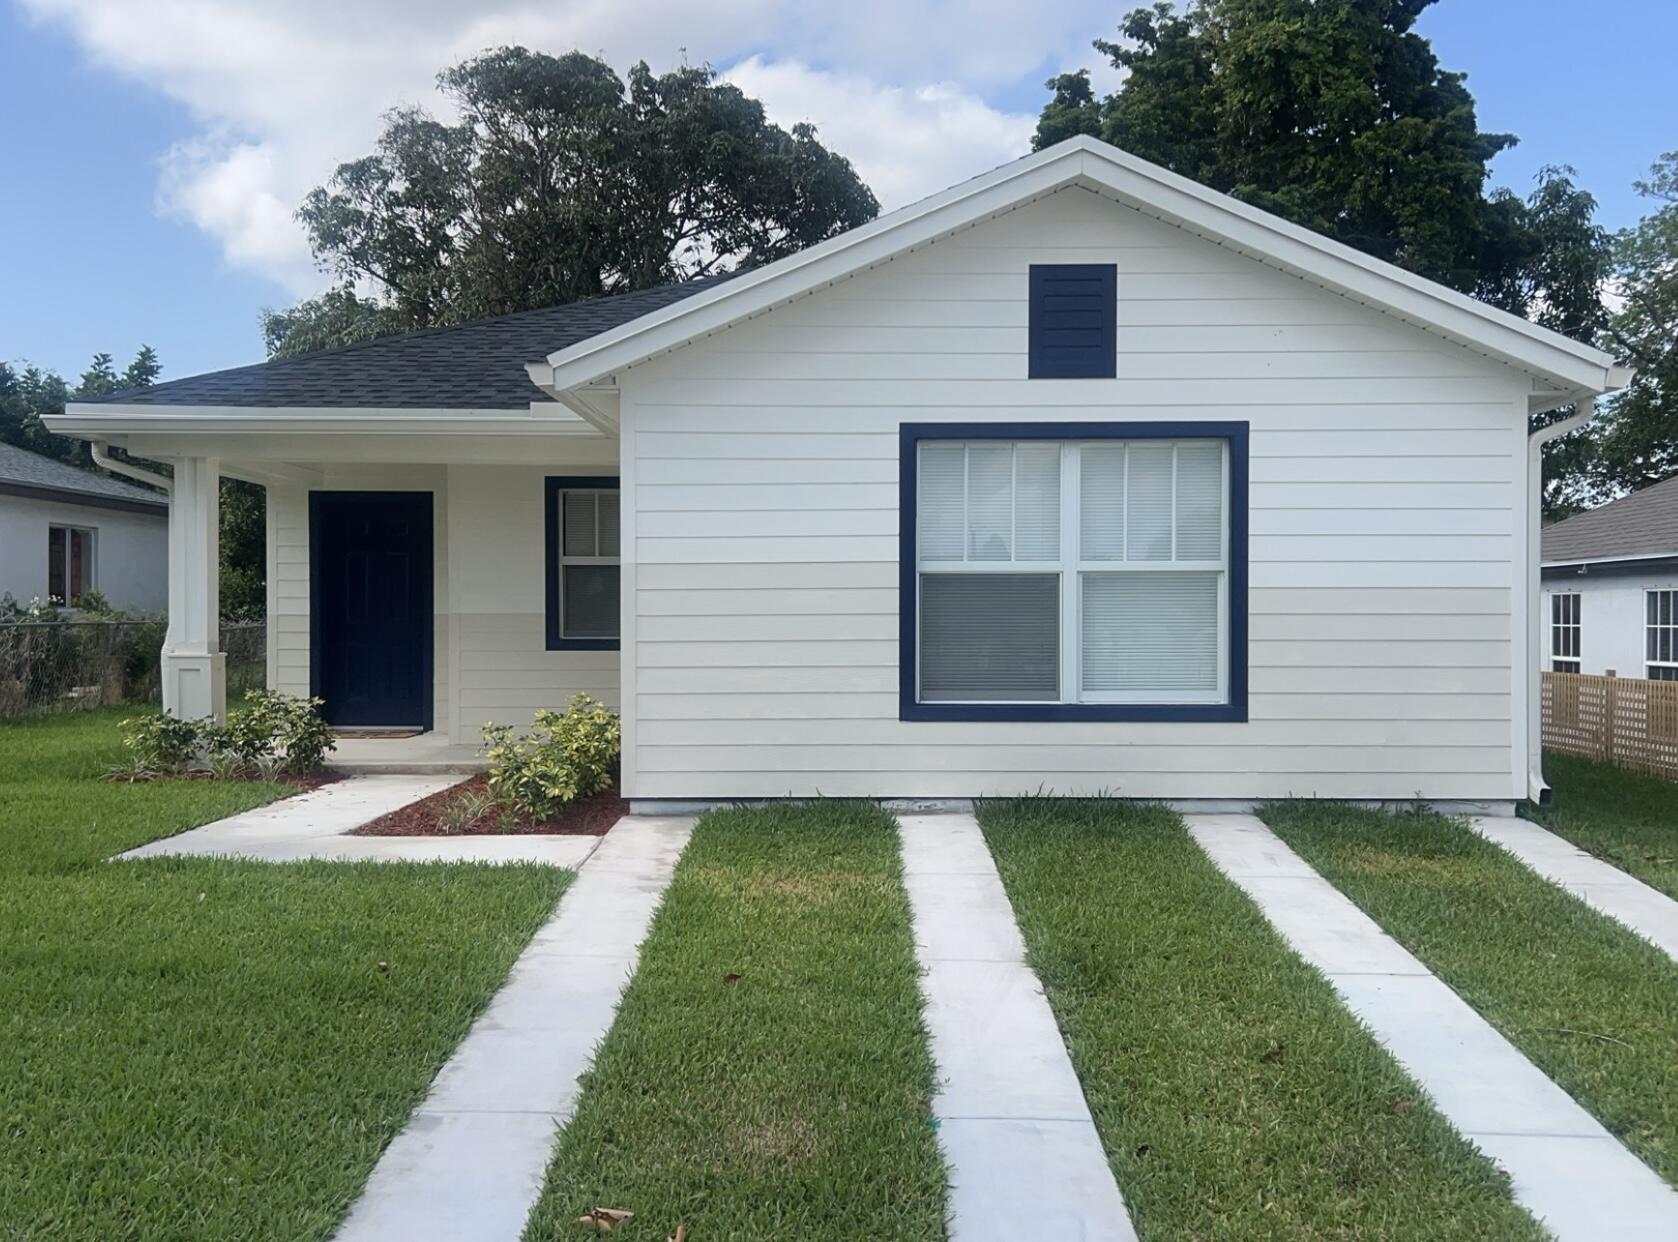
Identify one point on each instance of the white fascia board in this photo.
(1147, 187)
(93, 421)
(1610, 560)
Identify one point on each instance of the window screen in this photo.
(1660, 635)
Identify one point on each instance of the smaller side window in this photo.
(1660, 635)
(1564, 632)
(583, 564)
(69, 563)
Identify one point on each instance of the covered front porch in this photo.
(413, 570)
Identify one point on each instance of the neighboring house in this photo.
(1076, 477)
(64, 530)
(1611, 588)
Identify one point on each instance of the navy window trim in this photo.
(910, 436)
(553, 485)
(1073, 329)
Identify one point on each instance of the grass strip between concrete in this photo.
(768, 1074)
(1235, 1095)
(1589, 1002)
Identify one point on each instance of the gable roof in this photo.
(32, 474)
(1643, 524)
(1563, 369)
(479, 364)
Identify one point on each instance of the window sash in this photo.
(565, 560)
(70, 562)
(1072, 567)
(1660, 634)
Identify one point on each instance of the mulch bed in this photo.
(586, 817)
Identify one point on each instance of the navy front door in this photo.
(370, 607)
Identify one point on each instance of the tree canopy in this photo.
(27, 393)
(559, 181)
(1336, 114)
(1636, 440)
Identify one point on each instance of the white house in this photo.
(64, 531)
(1611, 588)
(1077, 476)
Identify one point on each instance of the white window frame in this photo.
(1071, 568)
(1576, 626)
(90, 559)
(560, 495)
(1651, 628)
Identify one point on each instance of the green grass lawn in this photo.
(1593, 1005)
(768, 1073)
(1236, 1098)
(1624, 818)
(209, 1050)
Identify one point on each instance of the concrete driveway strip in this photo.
(471, 1163)
(1566, 1169)
(1603, 887)
(1025, 1160)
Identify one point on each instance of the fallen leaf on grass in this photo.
(731, 977)
(1401, 1106)
(1274, 1055)
(604, 1220)
(681, 1234)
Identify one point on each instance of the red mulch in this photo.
(586, 817)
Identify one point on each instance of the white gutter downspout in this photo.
(102, 457)
(1537, 790)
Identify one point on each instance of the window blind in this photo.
(990, 636)
(1150, 632)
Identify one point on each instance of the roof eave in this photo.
(1566, 364)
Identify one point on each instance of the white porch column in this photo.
(194, 669)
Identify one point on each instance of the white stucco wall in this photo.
(1387, 510)
(130, 551)
(1612, 616)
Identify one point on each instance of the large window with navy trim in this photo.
(583, 608)
(1091, 571)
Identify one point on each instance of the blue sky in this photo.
(154, 152)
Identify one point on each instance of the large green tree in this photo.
(1336, 114)
(560, 181)
(1637, 438)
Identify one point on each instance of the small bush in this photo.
(158, 745)
(565, 755)
(272, 733)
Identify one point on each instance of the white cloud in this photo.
(283, 93)
(905, 142)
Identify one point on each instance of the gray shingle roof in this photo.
(1644, 523)
(474, 365)
(35, 473)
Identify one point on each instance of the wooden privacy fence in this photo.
(1625, 721)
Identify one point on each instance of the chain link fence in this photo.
(66, 665)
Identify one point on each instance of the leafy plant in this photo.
(158, 745)
(564, 756)
(272, 733)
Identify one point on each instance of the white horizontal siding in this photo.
(1386, 490)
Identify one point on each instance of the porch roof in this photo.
(477, 365)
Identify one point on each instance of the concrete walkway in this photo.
(1024, 1156)
(1604, 887)
(472, 1161)
(1567, 1170)
(312, 826)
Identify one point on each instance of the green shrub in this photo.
(273, 732)
(565, 755)
(159, 745)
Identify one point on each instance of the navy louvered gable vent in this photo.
(1074, 321)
